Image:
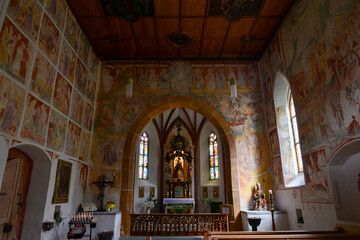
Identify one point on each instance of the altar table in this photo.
(172, 203)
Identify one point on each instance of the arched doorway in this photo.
(37, 185)
(345, 161)
(129, 156)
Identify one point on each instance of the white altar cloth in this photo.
(178, 201)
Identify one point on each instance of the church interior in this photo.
(121, 110)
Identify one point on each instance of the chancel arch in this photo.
(148, 114)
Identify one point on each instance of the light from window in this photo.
(144, 156)
(213, 155)
(295, 134)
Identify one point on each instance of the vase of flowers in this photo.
(110, 205)
(106, 235)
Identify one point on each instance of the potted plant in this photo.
(106, 235)
(110, 205)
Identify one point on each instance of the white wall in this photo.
(204, 166)
(154, 169)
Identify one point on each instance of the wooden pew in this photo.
(282, 235)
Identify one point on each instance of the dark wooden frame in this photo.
(61, 183)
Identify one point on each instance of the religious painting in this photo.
(84, 49)
(232, 73)
(278, 173)
(204, 192)
(84, 169)
(56, 131)
(42, 78)
(90, 90)
(274, 142)
(270, 115)
(164, 77)
(198, 79)
(216, 191)
(62, 94)
(12, 99)
(49, 39)
(67, 61)
(72, 31)
(81, 76)
(141, 192)
(92, 64)
(35, 120)
(57, 11)
(152, 192)
(317, 188)
(129, 10)
(180, 76)
(15, 52)
(287, 157)
(27, 15)
(88, 116)
(72, 139)
(209, 77)
(268, 89)
(62, 182)
(85, 141)
(359, 182)
(221, 80)
(141, 76)
(249, 74)
(153, 76)
(77, 107)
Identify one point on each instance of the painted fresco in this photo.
(42, 78)
(56, 131)
(270, 113)
(278, 173)
(317, 187)
(84, 150)
(12, 99)
(268, 89)
(84, 172)
(282, 121)
(93, 64)
(57, 10)
(15, 52)
(287, 159)
(112, 174)
(77, 107)
(49, 39)
(90, 90)
(81, 76)
(88, 116)
(274, 142)
(67, 61)
(62, 94)
(72, 139)
(35, 120)
(72, 31)
(84, 50)
(27, 15)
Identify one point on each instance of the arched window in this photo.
(295, 134)
(144, 156)
(213, 156)
(287, 130)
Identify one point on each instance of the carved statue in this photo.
(259, 196)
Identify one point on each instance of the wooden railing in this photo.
(281, 235)
(160, 224)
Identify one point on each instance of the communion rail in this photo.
(161, 224)
(281, 235)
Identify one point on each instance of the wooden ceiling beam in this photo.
(164, 17)
(223, 43)
(203, 28)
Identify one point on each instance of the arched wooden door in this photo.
(13, 194)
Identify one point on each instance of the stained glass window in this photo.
(295, 134)
(144, 156)
(213, 156)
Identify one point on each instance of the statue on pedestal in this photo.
(259, 196)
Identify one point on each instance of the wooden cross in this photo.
(102, 185)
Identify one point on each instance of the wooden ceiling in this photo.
(213, 37)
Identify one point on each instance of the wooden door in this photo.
(13, 195)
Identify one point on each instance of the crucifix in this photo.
(102, 185)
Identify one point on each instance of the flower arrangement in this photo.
(110, 205)
(105, 235)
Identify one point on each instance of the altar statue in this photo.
(259, 196)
